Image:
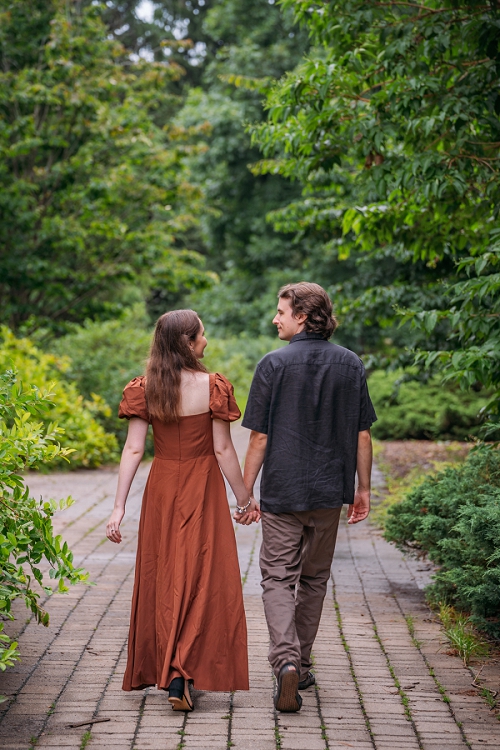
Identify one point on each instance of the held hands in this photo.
(113, 526)
(359, 511)
(250, 515)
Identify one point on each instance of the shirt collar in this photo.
(306, 335)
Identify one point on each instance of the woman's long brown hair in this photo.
(170, 354)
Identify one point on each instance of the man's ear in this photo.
(300, 318)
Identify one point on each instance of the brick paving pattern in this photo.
(384, 681)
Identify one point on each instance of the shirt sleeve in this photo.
(133, 403)
(259, 402)
(367, 414)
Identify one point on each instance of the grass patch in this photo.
(85, 739)
(461, 634)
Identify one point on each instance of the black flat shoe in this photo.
(287, 698)
(179, 696)
(307, 681)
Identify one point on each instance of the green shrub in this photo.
(90, 443)
(28, 441)
(423, 411)
(455, 518)
(103, 357)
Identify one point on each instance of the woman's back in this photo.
(194, 393)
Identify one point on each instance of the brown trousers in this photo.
(295, 560)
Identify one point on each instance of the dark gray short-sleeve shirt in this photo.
(311, 400)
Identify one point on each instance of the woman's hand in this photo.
(113, 526)
(250, 515)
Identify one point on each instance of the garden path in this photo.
(384, 680)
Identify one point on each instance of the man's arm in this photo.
(359, 511)
(254, 459)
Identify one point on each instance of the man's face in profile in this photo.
(285, 322)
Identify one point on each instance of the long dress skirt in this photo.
(187, 614)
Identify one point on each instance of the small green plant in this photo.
(461, 634)
(86, 737)
(411, 629)
(489, 696)
(277, 737)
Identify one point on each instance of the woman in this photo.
(187, 622)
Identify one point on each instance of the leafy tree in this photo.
(391, 124)
(255, 45)
(175, 34)
(92, 199)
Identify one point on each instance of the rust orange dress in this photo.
(187, 614)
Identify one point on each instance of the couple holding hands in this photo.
(309, 414)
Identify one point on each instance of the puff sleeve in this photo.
(222, 402)
(133, 403)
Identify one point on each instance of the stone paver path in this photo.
(384, 679)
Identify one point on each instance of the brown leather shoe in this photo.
(287, 698)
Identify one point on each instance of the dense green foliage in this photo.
(126, 187)
(89, 443)
(410, 409)
(256, 42)
(455, 518)
(90, 196)
(391, 124)
(28, 441)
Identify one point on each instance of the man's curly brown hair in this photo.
(311, 300)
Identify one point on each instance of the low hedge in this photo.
(412, 410)
(454, 517)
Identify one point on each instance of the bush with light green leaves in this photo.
(90, 443)
(27, 541)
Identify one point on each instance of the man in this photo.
(310, 415)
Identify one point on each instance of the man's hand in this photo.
(359, 511)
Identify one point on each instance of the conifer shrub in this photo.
(411, 410)
(454, 517)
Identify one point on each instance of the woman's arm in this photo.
(228, 461)
(132, 454)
